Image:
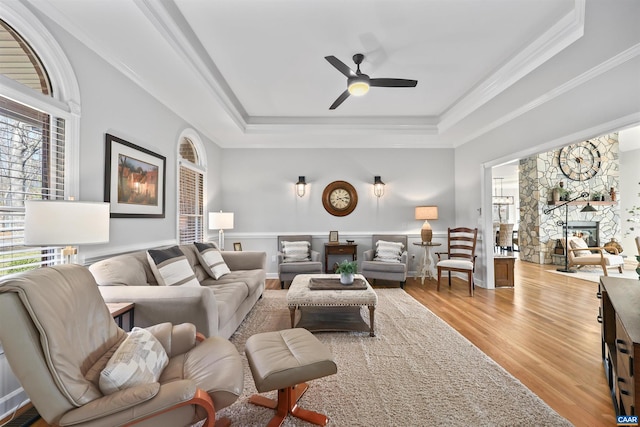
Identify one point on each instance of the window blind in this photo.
(32, 160)
(191, 216)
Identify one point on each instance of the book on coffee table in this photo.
(333, 284)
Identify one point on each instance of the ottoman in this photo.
(283, 361)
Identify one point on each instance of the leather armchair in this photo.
(372, 269)
(62, 335)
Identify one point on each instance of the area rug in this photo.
(416, 371)
(593, 274)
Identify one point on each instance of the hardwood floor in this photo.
(543, 331)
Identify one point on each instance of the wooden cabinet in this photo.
(339, 249)
(620, 332)
(503, 270)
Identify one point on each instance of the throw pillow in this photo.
(171, 267)
(296, 251)
(579, 243)
(211, 260)
(388, 251)
(140, 359)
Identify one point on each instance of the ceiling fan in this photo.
(358, 83)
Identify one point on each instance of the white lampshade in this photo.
(65, 222)
(220, 220)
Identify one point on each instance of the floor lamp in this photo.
(565, 223)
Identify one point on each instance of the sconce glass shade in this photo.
(426, 213)
(358, 85)
(301, 186)
(65, 223)
(378, 186)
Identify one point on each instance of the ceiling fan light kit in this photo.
(358, 83)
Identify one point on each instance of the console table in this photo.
(339, 249)
(620, 333)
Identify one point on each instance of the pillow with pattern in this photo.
(211, 260)
(140, 359)
(296, 251)
(171, 267)
(388, 251)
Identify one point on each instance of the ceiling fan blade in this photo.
(340, 100)
(341, 66)
(393, 83)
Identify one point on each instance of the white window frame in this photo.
(201, 168)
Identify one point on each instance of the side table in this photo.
(427, 265)
(503, 270)
(119, 309)
(339, 249)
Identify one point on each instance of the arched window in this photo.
(192, 172)
(34, 136)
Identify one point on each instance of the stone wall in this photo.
(538, 175)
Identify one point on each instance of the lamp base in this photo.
(426, 233)
(221, 240)
(566, 270)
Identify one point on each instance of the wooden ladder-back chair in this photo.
(461, 255)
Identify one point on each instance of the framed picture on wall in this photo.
(333, 237)
(134, 180)
(237, 246)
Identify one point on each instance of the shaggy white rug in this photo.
(416, 371)
(593, 274)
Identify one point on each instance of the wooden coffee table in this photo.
(330, 310)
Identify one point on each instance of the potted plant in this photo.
(347, 269)
(596, 196)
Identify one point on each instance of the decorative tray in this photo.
(333, 284)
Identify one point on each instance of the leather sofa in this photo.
(217, 307)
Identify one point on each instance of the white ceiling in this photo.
(251, 73)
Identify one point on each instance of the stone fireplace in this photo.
(588, 230)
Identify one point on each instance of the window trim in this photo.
(201, 167)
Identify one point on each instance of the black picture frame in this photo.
(237, 246)
(134, 180)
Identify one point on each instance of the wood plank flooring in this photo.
(543, 331)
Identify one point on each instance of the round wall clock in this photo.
(580, 161)
(339, 198)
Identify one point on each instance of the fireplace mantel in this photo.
(584, 202)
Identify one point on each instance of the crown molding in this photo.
(579, 80)
(562, 34)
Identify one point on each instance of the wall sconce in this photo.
(378, 186)
(300, 186)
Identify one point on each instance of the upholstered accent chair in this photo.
(62, 339)
(390, 265)
(580, 255)
(460, 255)
(292, 261)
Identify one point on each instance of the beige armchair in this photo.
(580, 255)
(61, 337)
(375, 266)
(293, 263)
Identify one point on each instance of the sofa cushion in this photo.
(211, 260)
(171, 267)
(253, 279)
(296, 251)
(229, 297)
(139, 360)
(388, 251)
(118, 271)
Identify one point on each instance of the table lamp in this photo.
(220, 221)
(426, 213)
(65, 223)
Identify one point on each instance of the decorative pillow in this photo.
(211, 260)
(140, 359)
(296, 251)
(388, 251)
(171, 267)
(578, 243)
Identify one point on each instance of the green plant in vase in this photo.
(347, 270)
